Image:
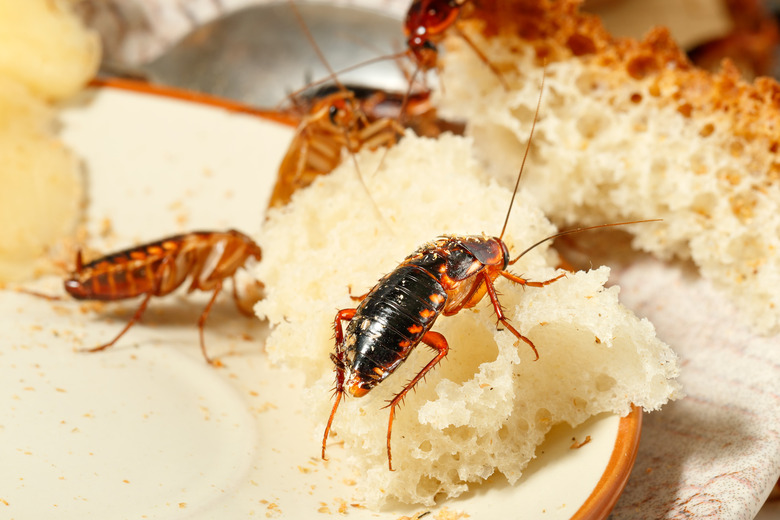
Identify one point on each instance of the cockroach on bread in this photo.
(426, 24)
(441, 278)
(331, 125)
(158, 268)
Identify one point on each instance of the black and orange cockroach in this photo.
(158, 268)
(442, 277)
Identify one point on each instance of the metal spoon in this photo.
(259, 54)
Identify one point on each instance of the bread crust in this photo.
(559, 31)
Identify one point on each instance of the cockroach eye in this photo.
(333, 112)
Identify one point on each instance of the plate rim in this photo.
(607, 491)
(613, 480)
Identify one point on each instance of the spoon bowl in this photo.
(259, 54)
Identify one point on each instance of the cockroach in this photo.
(442, 277)
(419, 114)
(425, 25)
(158, 268)
(333, 124)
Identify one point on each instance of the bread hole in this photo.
(636, 98)
(736, 148)
(773, 175)
(580, 403)
(463, 364)
(425, 446)
(642, 66)
(707, 130)
(605, 382)
(428, 486)
(591, 124)
(543, 416)
(461, 433)
(588, 82)
(704, 204)
(654, 90)
(730, 175)
(750, 253)
(521, 426)
(743, 207)
(523, 113)
(686, 109)
(580, 44)
(697, 164)
(504, 433)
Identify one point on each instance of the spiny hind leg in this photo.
(136, 317)
(339, 362)
(202, 322)
(437, 342)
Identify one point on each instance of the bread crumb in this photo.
(447, 514)
(577, 445)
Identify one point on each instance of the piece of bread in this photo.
(487, 406)
(629, 130)
(44, 46)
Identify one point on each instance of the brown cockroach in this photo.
(418, 114)
(158, 268)
(332, 125)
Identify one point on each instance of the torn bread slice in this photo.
(487, 406)
(629, 130)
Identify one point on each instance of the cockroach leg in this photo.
(136, 317)
(437, 342)
(202, 321)
(522, 281)
(340, 364)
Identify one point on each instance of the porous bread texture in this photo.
(487, 406)
(42, 194)
(44, 47)
(629, 130)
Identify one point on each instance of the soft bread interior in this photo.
(630, 130)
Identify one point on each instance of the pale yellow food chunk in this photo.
(42, 187)
(44, 46)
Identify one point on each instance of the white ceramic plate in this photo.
(147, 429)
